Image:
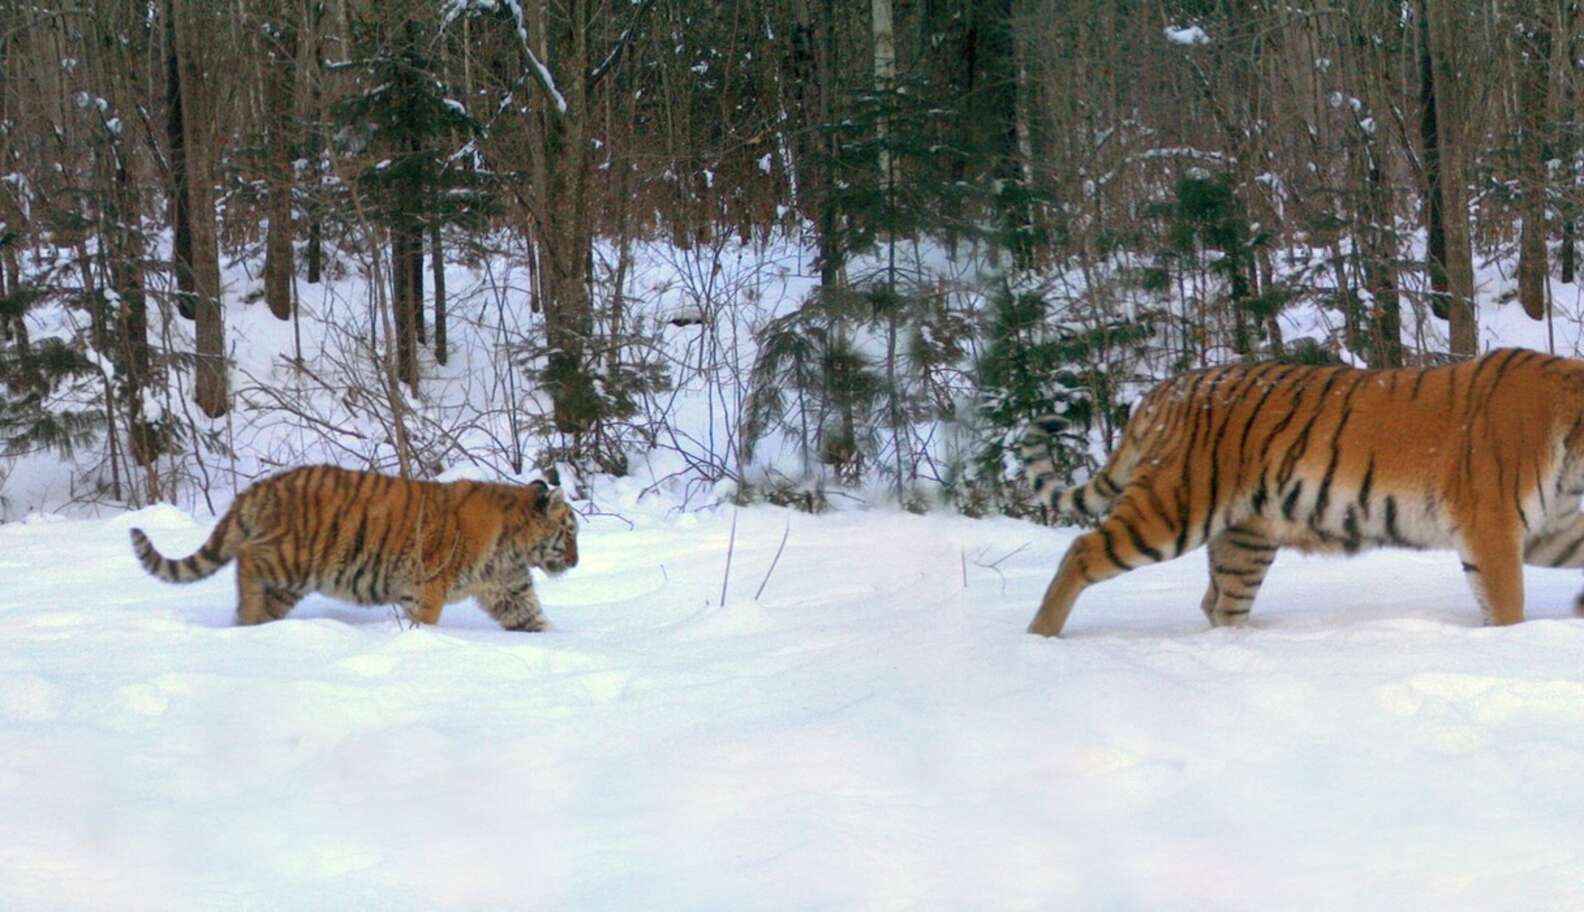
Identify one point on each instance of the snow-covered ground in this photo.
(875, 731)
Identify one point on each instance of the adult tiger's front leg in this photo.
(1239, 559)
(1559, 543)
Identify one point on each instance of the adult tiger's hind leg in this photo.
(1239, 560)
(1127, 539)
(1492, 553)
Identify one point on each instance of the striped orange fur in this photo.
(369, 538)
(1485, 457)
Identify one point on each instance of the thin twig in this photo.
(775, 560)
(731, 546)
(1015, 551)
(993, 566)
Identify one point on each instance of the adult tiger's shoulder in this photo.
(1484, 456)
(370, 538)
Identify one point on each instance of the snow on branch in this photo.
(541, 73)
(1188, 35)
(605, 66)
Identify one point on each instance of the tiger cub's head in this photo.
(549, 539)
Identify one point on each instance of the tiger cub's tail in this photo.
(215, 553)
(1089, 501)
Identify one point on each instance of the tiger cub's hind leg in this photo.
(1127, 539)
(1239, 560)
(252, 590)
(279, 601)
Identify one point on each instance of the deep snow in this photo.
(871, 733)
(875, 732)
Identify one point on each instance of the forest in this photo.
(892, 232)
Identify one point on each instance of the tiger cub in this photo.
(369, 538)
(1485, 457)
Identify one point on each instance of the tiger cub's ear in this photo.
(541, 496)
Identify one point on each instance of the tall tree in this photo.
(1445, 130)
(279, 30)
(1533, 38)
(565, 54)
(192, 160)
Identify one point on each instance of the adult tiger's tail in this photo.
(1090, 500)
(215, 553)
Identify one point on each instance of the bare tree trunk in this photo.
(884, 78)
(1534, 63)
(1571, 73)
(415, 281)
(315, 252)
(176, 135)
(124, 250)
(1450, 131)
(210, 387)
(280, 38)
(437, 263)
(1380, 270)
(401, 303)
(1430, 136)
(568, 236)
(830, 256)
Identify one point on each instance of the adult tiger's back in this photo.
(1485, 456)
(369, 538)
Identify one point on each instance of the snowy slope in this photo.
(872, 733)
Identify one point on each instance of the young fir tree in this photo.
(407, 125)
(1208, 249)
(1032, 369)
(34, 376)
(813, 384)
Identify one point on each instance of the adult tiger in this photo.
(375, 539)
(1485, 456)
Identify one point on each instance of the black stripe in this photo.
(1501, 370)
(1300, 445)
(1212, 504)
(1298, 387)
(1290, 502)
(1140, 545)
(1470, 568)
(1197, 417)
(1323, 499)
(1110, 550)
(1392, 534)
(354, 557)
(1364, 486)
(1566, 557)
